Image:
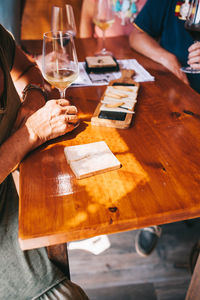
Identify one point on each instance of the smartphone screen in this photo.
(112, 115)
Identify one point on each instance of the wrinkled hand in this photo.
(194, 55)
(28, 107)
(55, 118)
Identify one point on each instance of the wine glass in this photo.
(62, 19)
(103, 18)
(59, 60)
(192, 24)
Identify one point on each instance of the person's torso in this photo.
(10, 100)
(165, 21)
(24, 274)
(175, 37)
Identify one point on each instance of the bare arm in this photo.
(146, 45)
(25, 71)
(86, 23)
(37, 122)
(55, 118)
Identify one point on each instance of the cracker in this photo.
(100, 61)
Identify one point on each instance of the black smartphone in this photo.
(112, 115)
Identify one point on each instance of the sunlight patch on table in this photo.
(119, 185)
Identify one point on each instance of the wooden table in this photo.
(158, 183)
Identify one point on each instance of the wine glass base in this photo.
(190, 70)
(103, 52)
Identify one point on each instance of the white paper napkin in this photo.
(90, 159)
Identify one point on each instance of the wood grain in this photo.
(160, 154)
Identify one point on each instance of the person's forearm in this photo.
(146, 45)
(54, 119)
(86, 23)
(32, 75)
(25, 71)
(86, 30)
(18, 145)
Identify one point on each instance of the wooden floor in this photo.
(120, 273)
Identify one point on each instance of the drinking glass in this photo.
(192, 25)
(103, 18)
(62, 19)
(59, 60)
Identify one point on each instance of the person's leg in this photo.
(146, 240)
(66, 290)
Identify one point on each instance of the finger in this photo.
(63, 102)
(71, 118)
(185, 80)
(71, 110)
(194, 54)
(194, 46)
(183, 77)
(194, 60)
(195, 66)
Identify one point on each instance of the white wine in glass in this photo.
(59, 60)
(62, 19)
(104, 18)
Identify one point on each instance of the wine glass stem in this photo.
(62, 94)
(103, 42)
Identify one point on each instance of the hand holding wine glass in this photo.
(62, 19)
(194, 56)
(55, 118)
(192, 24)
(104, 18)
(59, 60)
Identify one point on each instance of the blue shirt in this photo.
(158, 19)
